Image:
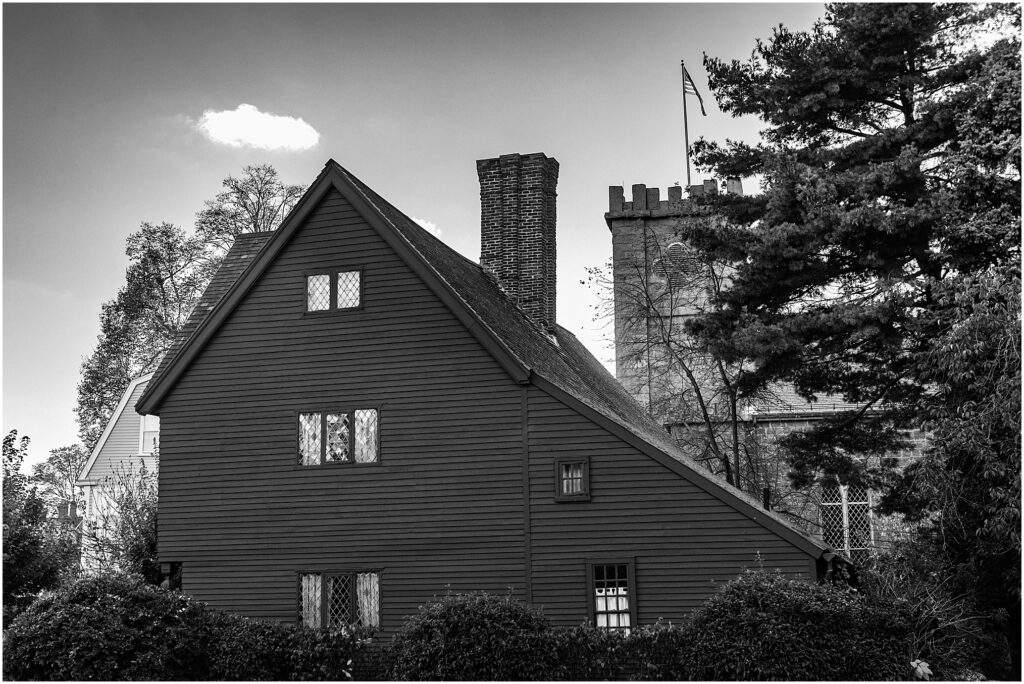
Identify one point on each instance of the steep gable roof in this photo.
(559, 364)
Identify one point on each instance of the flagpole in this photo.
(686, 126)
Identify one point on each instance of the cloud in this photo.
(248, 126)
(428, 226)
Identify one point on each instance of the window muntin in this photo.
(572, 478)
(329, 437)
(611, 596)
(318, 292)
(337, 600)
(337, 290)
(846, 520)
(149, 429)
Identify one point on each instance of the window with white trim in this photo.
(149, 434)
(335, 290)
(846, 520)
(336, 600)
(612, 602)
(338, 437)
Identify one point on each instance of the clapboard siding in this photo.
(121, 448)
(684, 542)
(443, 508)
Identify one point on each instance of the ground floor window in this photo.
(339, 599)
(846, 520)
(613, 602)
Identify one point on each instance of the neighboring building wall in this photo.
(119, 450)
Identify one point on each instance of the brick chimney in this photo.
(517, 220)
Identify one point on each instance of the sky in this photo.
(118, 114)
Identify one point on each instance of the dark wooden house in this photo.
(357, 419)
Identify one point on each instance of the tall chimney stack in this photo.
(517, 221)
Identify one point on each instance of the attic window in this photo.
(338, 437)
(337, 290)
(150, 434)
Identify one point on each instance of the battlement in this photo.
(647, 201)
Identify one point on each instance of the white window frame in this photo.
(143, 431)
(844, 505)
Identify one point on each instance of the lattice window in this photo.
(318, 292)
(338, 438)
(678, 265)
(310, 600)
(366, 435)
(846, 523)
(611, 597)
(338, 600)
(309, 438)
(348, 289)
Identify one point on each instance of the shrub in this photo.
(253, 650)
(117, 627)
(647, 653)
(474, 636)
(765, 626)
(109, 627)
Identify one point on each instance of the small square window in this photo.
(572, 478)
(338, 437)
(348, 289)
(318, 293)
(337, 600)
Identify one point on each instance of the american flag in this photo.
(689, 87)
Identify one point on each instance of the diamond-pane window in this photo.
(309, 439)
(318, 292)
(348, 289)
(611, 597)
(846, 520)
(338, 438)
(311, 596)
(366, 435)
(339, 600)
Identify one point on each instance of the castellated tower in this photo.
(660, 281)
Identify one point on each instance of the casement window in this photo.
(149, 434)
(612, 595)
(572, 478)
(846, 520)
(336, 600)
(334, 290)
(338, 437)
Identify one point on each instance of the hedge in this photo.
(765, 626)
(116, 627)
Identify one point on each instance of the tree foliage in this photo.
(121, 533)
(57, 475)
(881, 261)
(168, 271)
(37, 550)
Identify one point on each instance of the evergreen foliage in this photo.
(882, 261)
